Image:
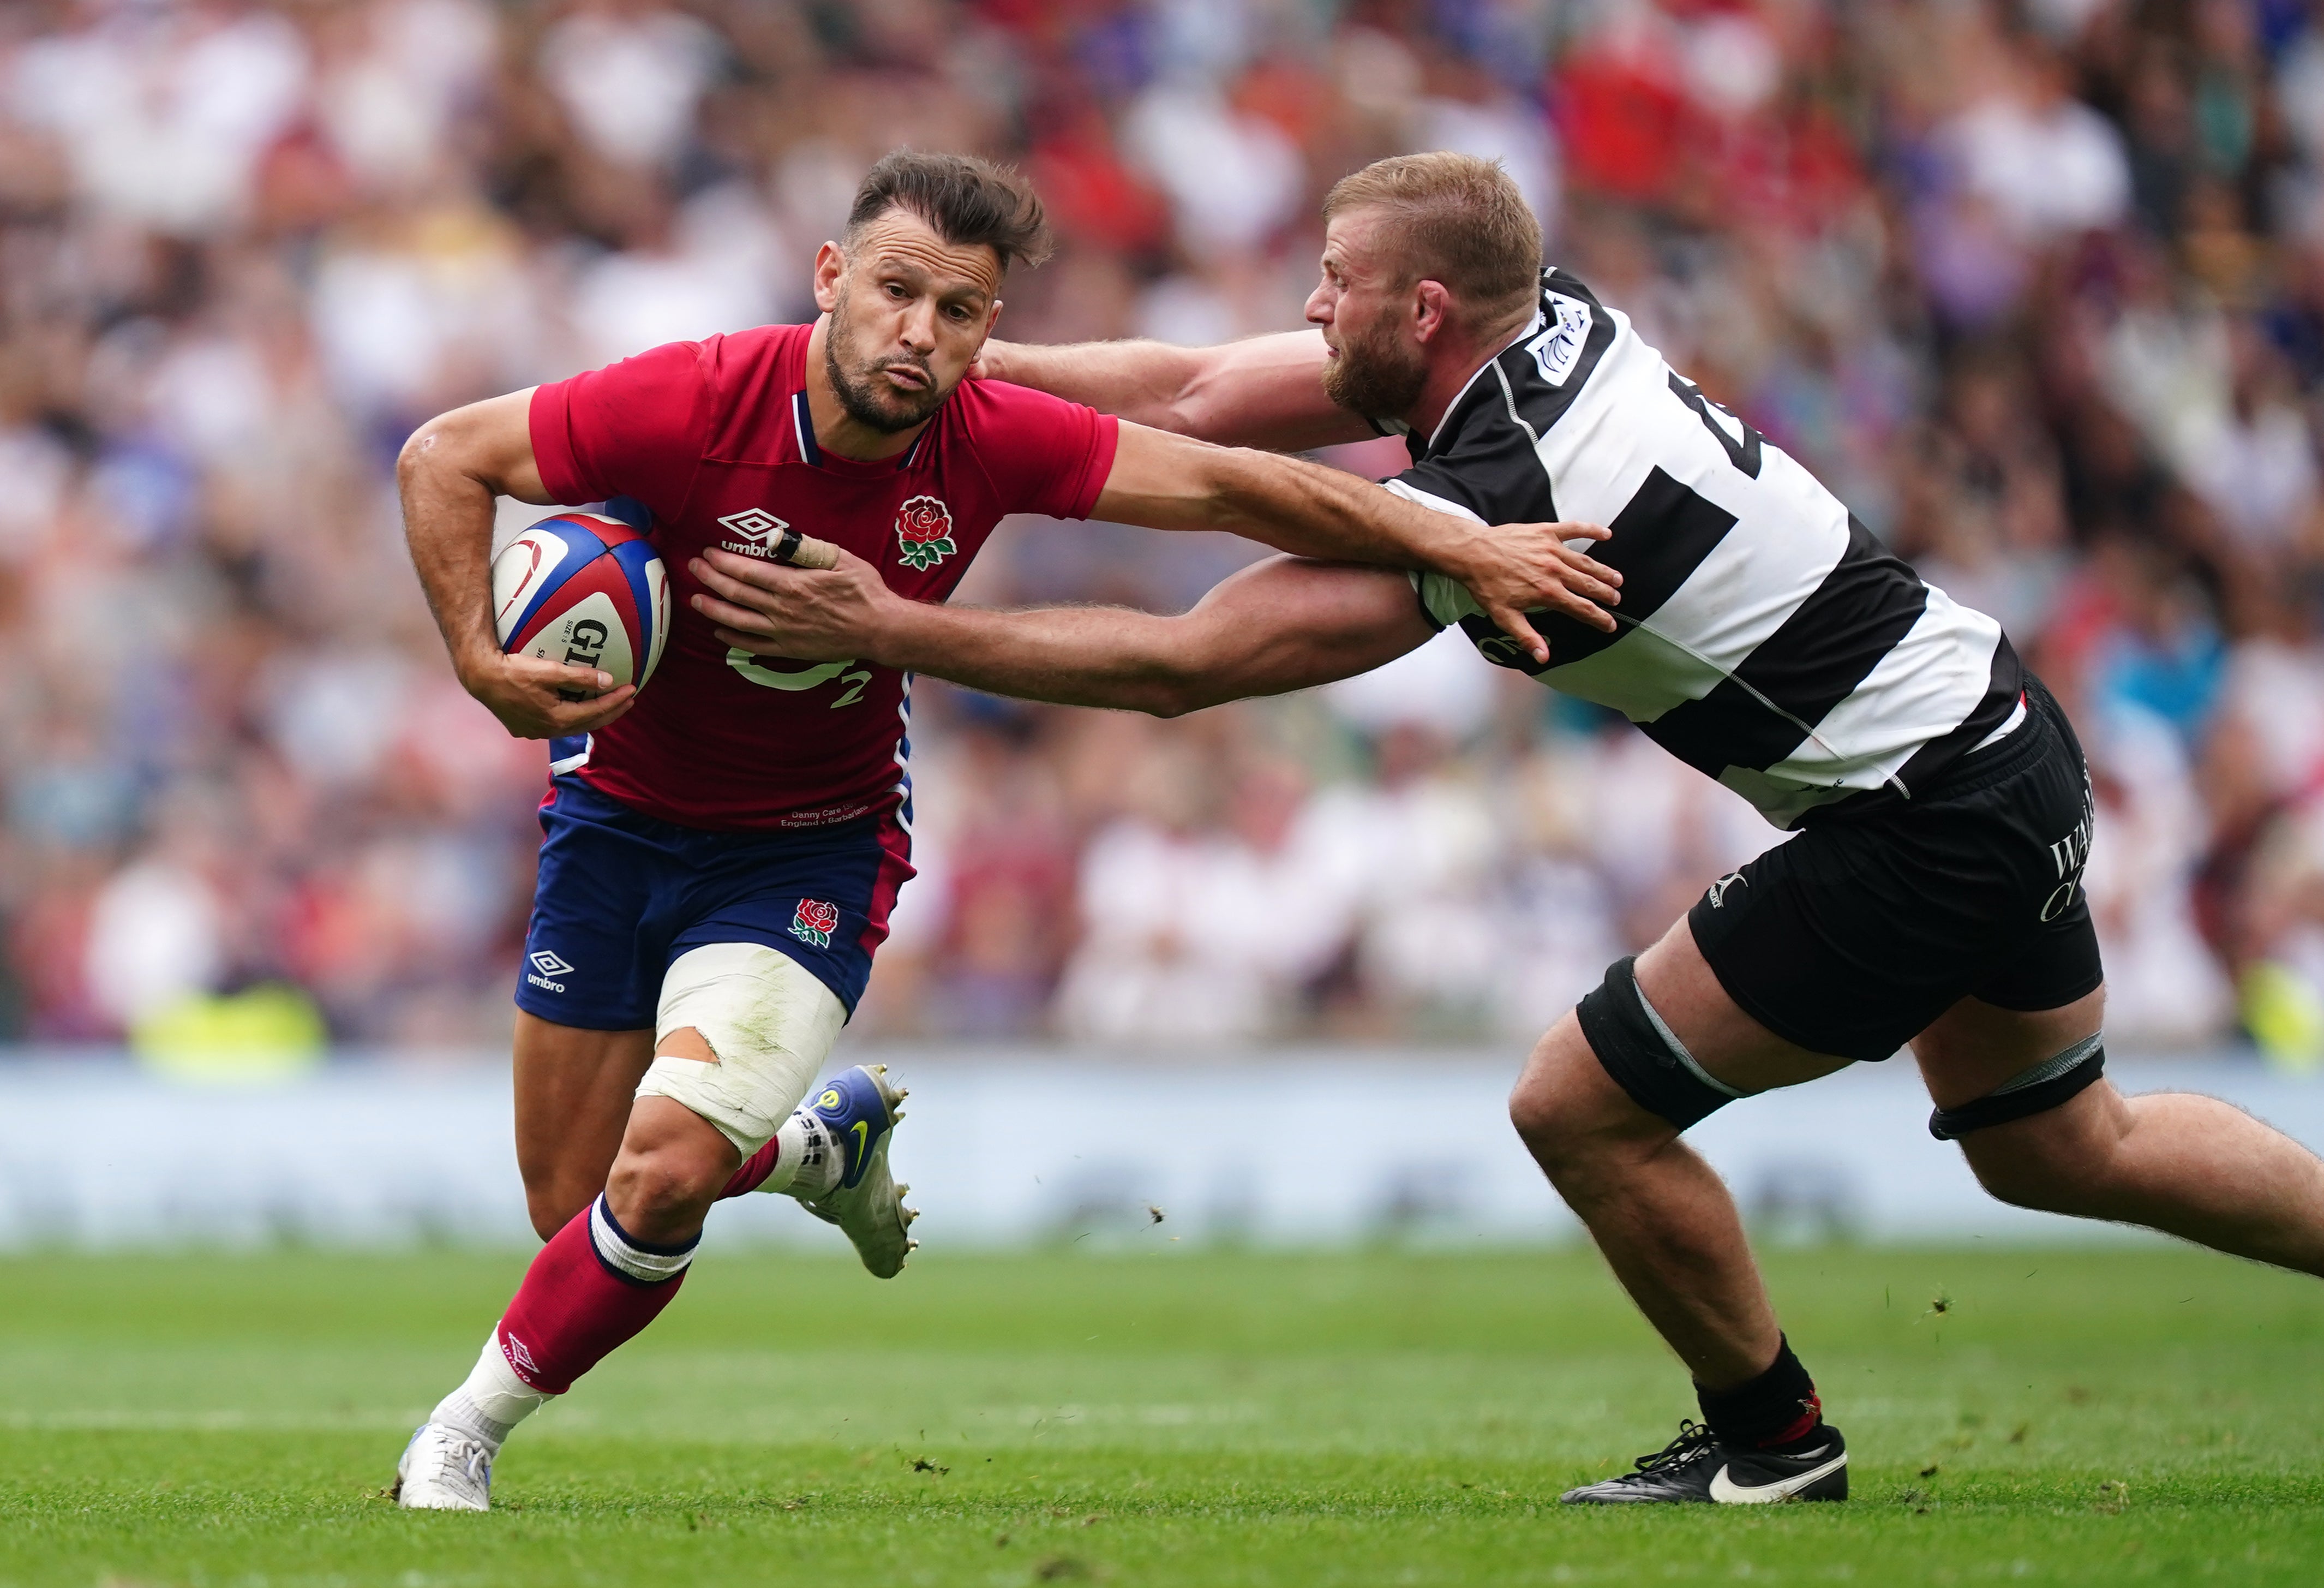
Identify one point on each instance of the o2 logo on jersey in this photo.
(815, 921)
(924, 531)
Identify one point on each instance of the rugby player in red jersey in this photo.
(720, 857)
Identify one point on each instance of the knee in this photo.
(2063, 1159)
(1540, 1108)
(659, 1186)
(2023, 1170)
(1561, 1112)
(1543, 1121)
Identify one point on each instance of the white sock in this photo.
(492, 1401)
(807, 1163)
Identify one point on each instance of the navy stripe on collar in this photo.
(811, 454)
(804, 423)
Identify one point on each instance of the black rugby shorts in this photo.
(1855, 935)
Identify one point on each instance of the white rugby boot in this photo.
(444, 1468)
(857, 1109)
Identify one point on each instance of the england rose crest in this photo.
(815, 921)
(924, 531)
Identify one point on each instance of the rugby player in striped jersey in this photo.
(1931, 898)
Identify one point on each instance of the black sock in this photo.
(1776, 1410)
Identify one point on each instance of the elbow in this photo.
(1188, 416)
(425, 449)
(1177, 694)
(1201, 408)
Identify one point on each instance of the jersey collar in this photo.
(1436, 435)
(812, 454)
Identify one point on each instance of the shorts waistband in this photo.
(2033, 738)
(573, 797)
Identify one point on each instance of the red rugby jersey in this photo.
(714, 438)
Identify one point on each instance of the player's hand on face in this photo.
(537, 698)
(802, 614)
(1516, 569)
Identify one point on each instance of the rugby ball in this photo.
(584, 590)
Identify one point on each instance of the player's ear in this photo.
(830, 264)
(1431, 310)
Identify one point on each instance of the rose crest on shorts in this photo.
(924, 531)
(815, 921)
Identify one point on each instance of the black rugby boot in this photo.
(1695, 1467)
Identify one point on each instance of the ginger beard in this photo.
(869, 400)
(1375, 375)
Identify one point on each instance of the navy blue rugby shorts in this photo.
(621, 894)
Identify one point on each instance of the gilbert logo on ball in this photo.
(584, 590)
(924, 530)
(815, 921)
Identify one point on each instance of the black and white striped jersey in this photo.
(1764, 636)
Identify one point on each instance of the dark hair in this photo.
(969, 201)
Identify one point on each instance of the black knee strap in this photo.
(1644, 1060)
(2037, 1091)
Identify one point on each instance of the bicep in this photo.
(490, 442)
(1157, 479)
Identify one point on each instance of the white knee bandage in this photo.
(769, 1020)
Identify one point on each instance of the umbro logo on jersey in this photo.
(758, 531)
(546, 968)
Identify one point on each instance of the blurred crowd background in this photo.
(2038, 288)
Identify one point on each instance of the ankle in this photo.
(1776, 1410)
(808, 1162)
(491, 1401)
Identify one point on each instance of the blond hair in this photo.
(1459, 220)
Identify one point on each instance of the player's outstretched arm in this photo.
(448, 473)
(1168, 482)
(1261, 392)
(1283, 625)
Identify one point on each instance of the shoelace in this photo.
(1694, 1442)
(469, 1459)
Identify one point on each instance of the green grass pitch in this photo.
(2131, 1414)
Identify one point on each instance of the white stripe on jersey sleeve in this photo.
(1446, 601)
(1412, 493)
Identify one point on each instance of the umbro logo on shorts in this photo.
(546, 968)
